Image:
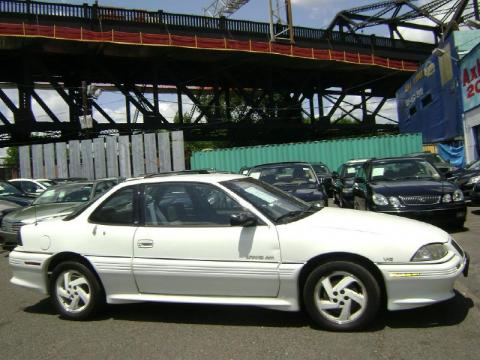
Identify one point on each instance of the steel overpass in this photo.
(140, 53)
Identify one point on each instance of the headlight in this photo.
(473, 180)
(319, 203)
(379, 199)
(430, 252)
(458, 195)
(394, 201)
(447, 198)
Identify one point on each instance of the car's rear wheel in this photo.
(341, 296)
(75, 291)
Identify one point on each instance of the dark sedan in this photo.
(410, 187)
(11, 193)
(343, 181)
(296, 178)
(436, 160)
(467, 178)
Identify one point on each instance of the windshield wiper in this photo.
(290, 214)
(296, 213)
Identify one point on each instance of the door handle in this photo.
(145, 243)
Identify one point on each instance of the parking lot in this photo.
(30, 328)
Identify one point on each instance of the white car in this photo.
(230, 239)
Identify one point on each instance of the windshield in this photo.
(9, 189)
(46, 183)
(321, 169)
(63, 194)
(403, 170)
(350, 170)
(273, 203)
(285, 175)
(474, 166)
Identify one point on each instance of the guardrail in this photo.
(34, 11)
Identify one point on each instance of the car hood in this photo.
(41, 212)
(467, 175)
(413, 187)
(306, 192)
(378, 237)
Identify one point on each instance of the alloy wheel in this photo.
(73, 291)
(340, 297)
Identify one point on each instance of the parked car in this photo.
(32, 186)
(57, 201)
(296, 178)
(436, 160)
(466, 178)
(475, 194)
(11, 193)
(238, 241)
(6, 207)
(410, 187)
(70, 179)
(325, 176)
(343, 181)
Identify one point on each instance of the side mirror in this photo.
(244, 219)
(360, 180)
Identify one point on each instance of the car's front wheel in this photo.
(341, 296)
(75, 291)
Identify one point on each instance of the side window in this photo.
(116, 210)
(361, 173)
(29, 186)
(188, 204)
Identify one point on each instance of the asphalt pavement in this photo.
(30, 329)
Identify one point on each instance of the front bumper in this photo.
(29, 270)
(445, 215)
(410, 286)
(8, 239)
(475, 195)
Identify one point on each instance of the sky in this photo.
(306, 13)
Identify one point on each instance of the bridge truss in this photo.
(437, 17)
(240, 85)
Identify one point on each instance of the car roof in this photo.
(303, 163)
(27, 179)
(356, 161)
(184, 177)
(398, 158)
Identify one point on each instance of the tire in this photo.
(356, 205)
(341, 296)
(75, 291)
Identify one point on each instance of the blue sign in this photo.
(429, 102)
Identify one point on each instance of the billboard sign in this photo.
(470, 79)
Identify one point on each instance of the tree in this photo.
(11, 160)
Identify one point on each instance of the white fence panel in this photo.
(37, 162)
(25, 163)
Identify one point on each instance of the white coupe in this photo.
(230, 239)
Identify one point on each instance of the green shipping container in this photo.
(333, 153)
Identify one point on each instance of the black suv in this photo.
(296, 178)
(343, 180)
(325, 176)
(410, 187)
